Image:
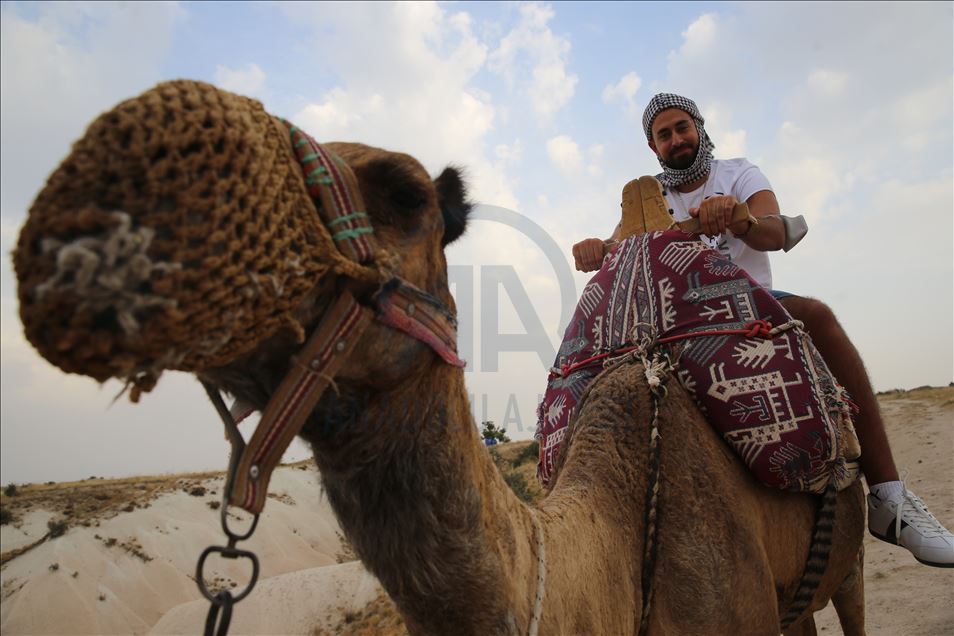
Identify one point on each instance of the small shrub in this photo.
(214, 505)
(489, 430)
(57, 528)
(530, 452)
(518, 484)
(5, 517)
(10, 490)
(54, 567)
(102, 597)
(198, 491)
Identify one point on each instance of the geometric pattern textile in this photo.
(772, 399)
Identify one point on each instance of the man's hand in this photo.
(714, 214)
(589, 254)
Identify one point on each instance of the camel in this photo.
(419, 497)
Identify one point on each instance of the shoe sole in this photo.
(893, 541)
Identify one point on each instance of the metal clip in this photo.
(223, 600)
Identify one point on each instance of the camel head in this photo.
(181, 234)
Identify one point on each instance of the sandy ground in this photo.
(903, 597)
(126, 564)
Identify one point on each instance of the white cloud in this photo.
(509, 155)
(568, 159)
(565, 155)
(700, 36)
(730, 142)
(532, 50)
(422, 100)
(828, 82)
(245, 81)
(59, 70)
(623, 92)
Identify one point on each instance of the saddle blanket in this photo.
(771, 397)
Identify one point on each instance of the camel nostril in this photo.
(106, 320)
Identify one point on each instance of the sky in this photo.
(846, 108)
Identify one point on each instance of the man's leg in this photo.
(895, 514)
(845, 362)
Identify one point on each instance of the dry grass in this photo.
(938, 395)
(524, 473)
(87, 502)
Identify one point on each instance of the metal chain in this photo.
(223, 599)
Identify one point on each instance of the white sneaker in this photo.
(911, 525)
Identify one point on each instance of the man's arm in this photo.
(768, 234)
(589, 253)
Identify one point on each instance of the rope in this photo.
(655, 371)
(818, 555)
(754, 329)
(541, 575)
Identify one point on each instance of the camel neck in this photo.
(424, 507)
(426, 510)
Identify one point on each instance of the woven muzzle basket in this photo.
(178, 234)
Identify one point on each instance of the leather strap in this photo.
(418, 314)
(399, 304)
(311, 372)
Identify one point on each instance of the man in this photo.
(696, 185)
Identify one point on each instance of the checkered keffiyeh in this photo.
(700, 167)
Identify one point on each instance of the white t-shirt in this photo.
(741, 179)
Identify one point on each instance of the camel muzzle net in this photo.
(178, 234)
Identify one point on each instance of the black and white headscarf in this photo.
(700, 167)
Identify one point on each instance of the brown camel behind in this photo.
(412, 486)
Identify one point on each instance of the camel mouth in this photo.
(178, 234)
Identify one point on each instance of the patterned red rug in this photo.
(753, 371)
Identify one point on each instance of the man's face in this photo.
(675, 138)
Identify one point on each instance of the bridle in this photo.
(394, 302)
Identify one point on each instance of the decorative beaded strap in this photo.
(333, 186)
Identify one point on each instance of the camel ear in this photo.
(452, 197)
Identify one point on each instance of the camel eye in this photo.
(408, 198)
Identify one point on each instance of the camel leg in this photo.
(849, 600)
(804, 627)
